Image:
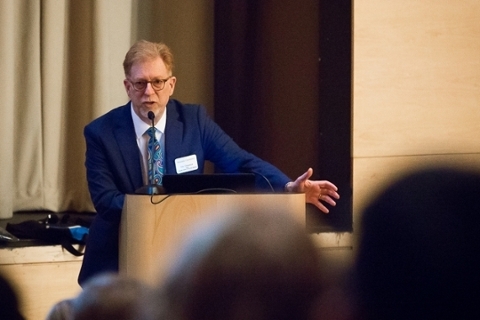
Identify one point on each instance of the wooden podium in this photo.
(154, 227)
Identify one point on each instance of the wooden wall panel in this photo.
(416, 91)
(416, 77)
(42, 275)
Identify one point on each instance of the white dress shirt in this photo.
(142, 138)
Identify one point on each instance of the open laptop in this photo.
(209, 183)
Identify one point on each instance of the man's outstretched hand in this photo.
(315, 191)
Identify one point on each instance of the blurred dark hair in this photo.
(9, 303)
(419, 248)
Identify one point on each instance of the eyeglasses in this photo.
(157, 84)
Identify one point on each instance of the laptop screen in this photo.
(209, 183)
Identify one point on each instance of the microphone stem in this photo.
(151, 116)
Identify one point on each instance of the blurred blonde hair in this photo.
(144, 50)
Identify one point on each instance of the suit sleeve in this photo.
(107, 198)
(228, 157)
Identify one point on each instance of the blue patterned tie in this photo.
(155, 173)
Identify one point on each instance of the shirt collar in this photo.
(141, 127)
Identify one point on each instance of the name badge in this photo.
(186, 164)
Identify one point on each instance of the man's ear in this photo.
(171, 84)
(127, 86)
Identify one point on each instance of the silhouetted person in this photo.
(419, 254)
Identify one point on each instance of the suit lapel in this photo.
(127, 144)
(173, 137)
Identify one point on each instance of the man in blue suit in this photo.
(116, 156)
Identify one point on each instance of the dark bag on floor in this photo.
(54, 230)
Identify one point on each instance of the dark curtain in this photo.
(267, 89)
(266, 84)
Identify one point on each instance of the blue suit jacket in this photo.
(114, 168)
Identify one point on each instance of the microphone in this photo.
(151, 116)
(151, 188)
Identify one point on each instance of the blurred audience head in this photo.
(61, 310)
(9, 303)
(419, 248)
(111, 296)
(251, 265)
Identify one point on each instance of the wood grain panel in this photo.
(416, 77)
(41, 285)
(152, 235)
